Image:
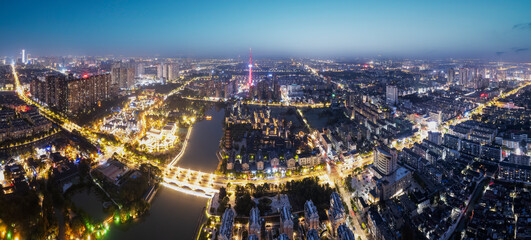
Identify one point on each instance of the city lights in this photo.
(323, 131)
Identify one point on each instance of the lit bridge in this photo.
(192, 182)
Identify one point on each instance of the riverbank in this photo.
(183, 148)
(203, 143)
(172, 215)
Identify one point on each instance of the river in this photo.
(203, 145)
(174, 215)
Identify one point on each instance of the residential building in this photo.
(336, 212)
(227, 222)
(123, 76)
(286, 221)
(311, 216)
(70, 95)
(377, 226)
(255, 222)
(391, 95)
(385, 160)
(344, 233)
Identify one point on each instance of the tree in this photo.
(223, 205)
(348, 183)
(251, 187)
(222, 194)
(134, 188)
(244, 204)
(240, 191)
(264, 205)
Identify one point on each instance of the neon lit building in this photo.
(250, 82)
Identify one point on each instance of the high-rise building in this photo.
(55, 91)
(230, 89)
(85, 93)
(69, 95)
(165, 70)
(463, 77)
(168, 71)
(160, 73)
(123, 76)
(385, 160)
(480, 82)
(391, 178)
(140, 69)
(250, 80)
(391, 94)
(23, 56)
(38, 89)
(451, 75)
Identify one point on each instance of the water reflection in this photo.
(174, 215)
(204, 143)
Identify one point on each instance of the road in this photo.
(345, 195)
(208, 182)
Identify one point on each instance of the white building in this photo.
(391, 94)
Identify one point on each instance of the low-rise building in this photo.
(395, 183)
(255, 222)
(311, 216)
(336, 212)
(227, 222)
(378, 228)
(344, 233)
(286, 221)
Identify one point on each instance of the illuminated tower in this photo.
(23, 56)
(250, 83)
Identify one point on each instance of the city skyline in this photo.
(255, 120)
(165, 140)
(474, 29)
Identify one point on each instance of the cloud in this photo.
(517, 50)
(522, 26)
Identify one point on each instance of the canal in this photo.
(201, 151)
(174, 215)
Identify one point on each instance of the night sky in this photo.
(494, 29)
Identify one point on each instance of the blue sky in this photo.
(350, 28)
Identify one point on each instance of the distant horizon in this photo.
(486, 29)
(244, 58)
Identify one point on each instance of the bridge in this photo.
(192, 182)
(184, 180)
